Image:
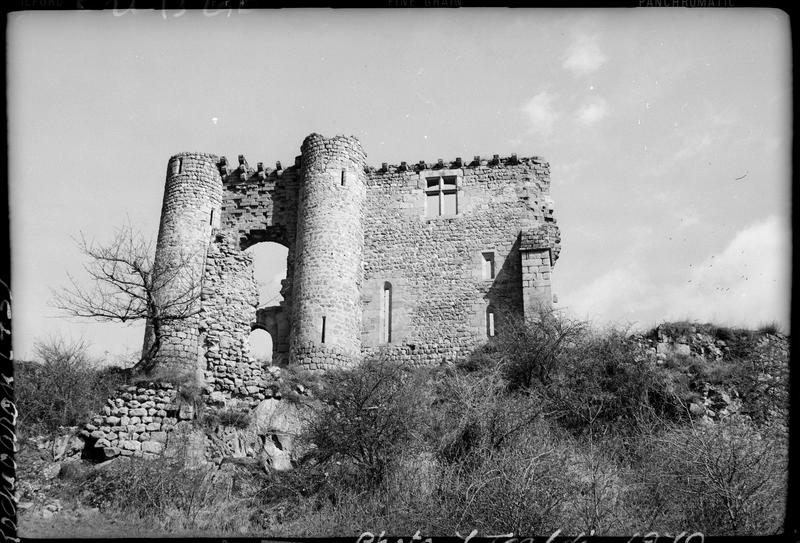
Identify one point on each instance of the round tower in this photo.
(326, 312)
(191, 208)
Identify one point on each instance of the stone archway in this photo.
(261, 346)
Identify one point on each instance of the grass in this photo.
(770, 328)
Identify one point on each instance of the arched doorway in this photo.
(261, 346)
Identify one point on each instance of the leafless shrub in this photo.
(126, 285)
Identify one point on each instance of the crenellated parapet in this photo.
(496, 161)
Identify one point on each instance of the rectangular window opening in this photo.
(387, 313)
(490, 323)
(342, 177)
(488, 265)
(449, 203)
(323, 329)
(441, 196)
(432, 204)
(211, 220)
(180, 165)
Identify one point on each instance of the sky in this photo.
(668, 132)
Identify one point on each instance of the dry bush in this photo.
(605, 384)
(169, 494)
(598, 503)
(722, 479)
(62, 388)
(367, 413)
(529, 351)
(522, 487)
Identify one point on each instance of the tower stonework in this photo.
(421, 262)
(326, 320)
(189, 212)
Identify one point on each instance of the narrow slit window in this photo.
(323, 329)
(211, 219)
(386, 310)
(342, 177)
(488, 265)
(176, 165)
(490, 330)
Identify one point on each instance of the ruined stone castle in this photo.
(420, 261)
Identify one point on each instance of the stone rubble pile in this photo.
(769, 360)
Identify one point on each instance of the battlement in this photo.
(496, 161)
(244, 172)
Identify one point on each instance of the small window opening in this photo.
(488, 265)
(211, 220)
(441, 196)
(386, 311)
(342, 177)
(490, 331)
(176, 166)
(323, 329)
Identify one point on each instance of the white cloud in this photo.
(747, 284)
(618, 296)
(593, 111)
(541, 112)
(584, 56)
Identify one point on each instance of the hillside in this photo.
(551, 426)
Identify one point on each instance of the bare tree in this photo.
(126, 285)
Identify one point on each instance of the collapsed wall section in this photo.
(229, 299)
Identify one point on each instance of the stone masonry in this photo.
(136, 422)
(421, 262)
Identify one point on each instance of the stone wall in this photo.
(136, 422)
(441, 293)
(229, 300)
(420, 262)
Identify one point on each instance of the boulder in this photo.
(274, 457)
(278, 422)
(273, 416)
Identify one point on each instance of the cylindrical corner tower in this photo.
(326, 316)
(191, 208)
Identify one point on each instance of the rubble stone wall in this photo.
(136, 422)
(229, 300)
(421, 262)
(190, 210)
(442, 290)
(326, 313)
